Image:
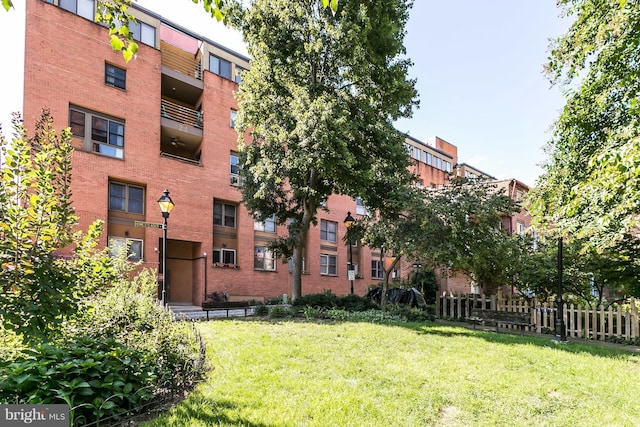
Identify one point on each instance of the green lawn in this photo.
(268, 374)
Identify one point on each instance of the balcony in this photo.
(181, 74)
(181, 132)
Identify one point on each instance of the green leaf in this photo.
(116, 43)
(7, 4)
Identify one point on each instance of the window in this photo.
(360, 207)
(126, 198)
(232, 118)
(220, 66)
(234, 176)
(132, 246)
(100, 134)
(427, 158)
(328, 231)
(264, 259)
(447, 166)
(328, 265)
(224, 214)
(115, 76)
(520, 228)
(144, 33)
(438, 163)
(416, 153)
(84, 8)
(377, 270)
(269, 225)
(238, 78)
(224, 256)
(409, 148)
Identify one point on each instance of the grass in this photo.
(267, 374)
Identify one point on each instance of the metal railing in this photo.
(179, 113)
(182, 63)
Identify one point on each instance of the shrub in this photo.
(280, 312)
(261, 310)
(329, 300)
(93, 376)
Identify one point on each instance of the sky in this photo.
(478, 65)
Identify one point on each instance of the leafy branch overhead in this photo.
(590, 183)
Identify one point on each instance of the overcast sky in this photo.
(478, 66)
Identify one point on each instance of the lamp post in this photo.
(561, 335)
(348, 222)
(417, 266)
(166, 205)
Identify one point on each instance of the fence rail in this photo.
(619, 322)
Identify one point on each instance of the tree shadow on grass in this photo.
(197, 408)
(512, 337)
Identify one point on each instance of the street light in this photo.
(560, 333)
(166, 205)
(417, 266)
(348, 222)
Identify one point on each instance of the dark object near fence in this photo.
(501, 317)
(411, 297)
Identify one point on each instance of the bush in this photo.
(95, 377)
(329, 300)
(280, 312)
(261, 310)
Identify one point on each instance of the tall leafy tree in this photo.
(455, 227)
(320, 99)
(591, 181)
(38, 291)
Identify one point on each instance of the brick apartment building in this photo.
(165, 120)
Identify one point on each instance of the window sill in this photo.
(221, 265)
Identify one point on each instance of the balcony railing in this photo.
(182, 114)
(182, 63)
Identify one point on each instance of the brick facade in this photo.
(65, 60)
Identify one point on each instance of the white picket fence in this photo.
(620, 321)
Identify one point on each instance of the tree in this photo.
(589, 275)
(455, 227)
(38, 291)
(462, 231)
(589, 187)
(320, 100)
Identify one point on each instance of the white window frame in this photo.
(361, 209)
(104, 148)
(127, 199)
(416, 153)
(377, 269)
(327, 268)
(268, 225)
(427, 158)
(116, 243)
(232, 118)
(220, 255)
(234, 170)
(264, 256)
(520, 228)
(328, 234)
(223, 214)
